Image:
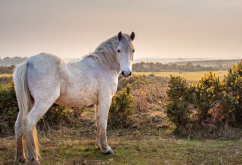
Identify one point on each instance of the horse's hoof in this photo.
(35, 162)
(109, 152)
(21, 159)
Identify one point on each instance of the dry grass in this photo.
(67, 146)
(151, 142)
(192, 76)
(6, 75)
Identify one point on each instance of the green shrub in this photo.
(208, 90)
(178, 97)
(121, 108)
(214, 101)
(9, 111)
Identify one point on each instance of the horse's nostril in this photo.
(123, 73)
(130, 73)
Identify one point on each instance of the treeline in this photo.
(6, 69)
(9, 61)
(189, 67)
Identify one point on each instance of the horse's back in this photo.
(43, 74)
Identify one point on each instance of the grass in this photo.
(192, 76)
(150, 143)
(6, 75)
(69, 146)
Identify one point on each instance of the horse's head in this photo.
(125, 51)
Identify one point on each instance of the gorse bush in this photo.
(9, 111)
(211, 101)
(8, 108)
(121, 108)
(179, 98)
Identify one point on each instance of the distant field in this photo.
(6, 75)
(192, 76)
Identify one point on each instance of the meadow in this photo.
(152, 143)
(190, 76)
(151, 139)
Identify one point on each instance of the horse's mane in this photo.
(106, 53)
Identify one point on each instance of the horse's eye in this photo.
(118, 50)
(133, 50)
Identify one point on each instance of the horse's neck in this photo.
(109, 70)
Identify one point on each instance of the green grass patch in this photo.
(73, 147)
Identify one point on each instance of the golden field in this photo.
(192, 76)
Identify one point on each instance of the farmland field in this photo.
(192, 76)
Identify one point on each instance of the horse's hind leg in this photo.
(39, 109)
(19, 157)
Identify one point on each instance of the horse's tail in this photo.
(25, 102)
(22, 91)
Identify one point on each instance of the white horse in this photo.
(45, 79)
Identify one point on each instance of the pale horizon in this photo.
(173, 29)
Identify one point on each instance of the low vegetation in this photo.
(211, 104)
(152, 120)
(56, 115)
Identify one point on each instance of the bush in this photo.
(178, 97)
(9, 111)
(121, 108)
(215, 102)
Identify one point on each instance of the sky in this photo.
(163, 28)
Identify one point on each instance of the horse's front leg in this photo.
(97, 125)
(103, 109)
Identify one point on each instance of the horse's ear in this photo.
(119, 36)
(132, 36)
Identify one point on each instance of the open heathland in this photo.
(153, 142)
(139, 130)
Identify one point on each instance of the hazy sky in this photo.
(163, 28)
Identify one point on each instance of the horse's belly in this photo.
(78, 97)
(79, 100)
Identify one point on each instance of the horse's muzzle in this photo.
(126, 74)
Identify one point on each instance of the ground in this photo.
(153, 142)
